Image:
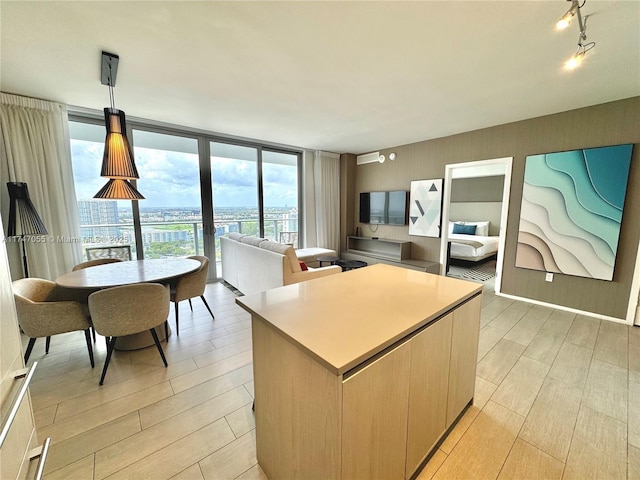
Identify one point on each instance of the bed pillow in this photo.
(482, 228)
(464, 229)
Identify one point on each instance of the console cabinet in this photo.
(369, 383)
(380, 247)
(384, 250)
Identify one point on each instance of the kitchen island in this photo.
(360, 375)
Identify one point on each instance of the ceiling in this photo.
(331, 75)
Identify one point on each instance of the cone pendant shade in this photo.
(117, 161)
(119, 189)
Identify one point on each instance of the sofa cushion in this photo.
(255, 241)
(235, 235)
(282, 249)
(303, 266)
(310, 255)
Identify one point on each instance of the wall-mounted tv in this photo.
(384, 208)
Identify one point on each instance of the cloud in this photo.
(172, 179)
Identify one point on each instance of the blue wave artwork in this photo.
(572, 206)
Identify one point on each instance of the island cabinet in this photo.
(359, 375)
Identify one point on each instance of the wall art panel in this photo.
(425, 210)
(571, 211)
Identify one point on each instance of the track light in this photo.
(576, 60)
(565, 21)
(583, 47)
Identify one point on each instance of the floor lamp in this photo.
(23, 218)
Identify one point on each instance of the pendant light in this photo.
(117, 162)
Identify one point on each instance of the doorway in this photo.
(469, 170)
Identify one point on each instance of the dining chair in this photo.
(93, 263)
(127, 310)
(123, 252)
(191, 285)
(39, 316)
(82, 295)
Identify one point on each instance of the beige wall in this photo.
(607, 124)
(479, 189)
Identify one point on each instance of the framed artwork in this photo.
(571, 211)
(425, 209)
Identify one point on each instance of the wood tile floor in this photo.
(557, 396)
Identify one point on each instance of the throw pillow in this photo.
(464, 229)
(482, 228)
(303, 266)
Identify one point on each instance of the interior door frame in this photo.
(481, 168)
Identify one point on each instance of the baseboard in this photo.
(566, 309)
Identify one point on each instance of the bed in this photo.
(471, 247)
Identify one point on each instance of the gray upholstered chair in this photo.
(93, 263)
(123, 252)
(190, 286)
(128, 310)
(40, 316)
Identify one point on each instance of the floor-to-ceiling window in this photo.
(234, 181)
(280, 194)
(255, 192)
(171, 214)
(102, 222)
(249, 188)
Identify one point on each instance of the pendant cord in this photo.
(111, 97)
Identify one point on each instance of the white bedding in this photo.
(471, 252)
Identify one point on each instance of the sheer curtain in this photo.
(326, 176)
(35, 148)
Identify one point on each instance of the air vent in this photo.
(368, 158)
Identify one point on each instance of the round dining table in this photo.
(126, 273)
(115, 274)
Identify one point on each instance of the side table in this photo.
(330, 259)
(351, 264)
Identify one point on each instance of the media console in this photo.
(388, 251)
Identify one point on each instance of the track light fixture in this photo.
(583, 47)
(566, 19)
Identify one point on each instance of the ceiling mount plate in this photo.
(109, 60)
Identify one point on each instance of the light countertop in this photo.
(344, 319)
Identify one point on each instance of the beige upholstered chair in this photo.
(190, 286)
(82, 294)
(128, 310)
(93, 263)
(39, 316)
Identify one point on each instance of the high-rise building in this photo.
(94, 213)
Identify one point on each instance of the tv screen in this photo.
(384, 208)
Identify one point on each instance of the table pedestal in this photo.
(140, 340)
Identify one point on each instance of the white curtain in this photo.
(35, 148)
(326, 176)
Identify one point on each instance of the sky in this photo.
(171, 179)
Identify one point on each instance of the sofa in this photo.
(254, 264)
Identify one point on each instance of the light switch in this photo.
(548, 277)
